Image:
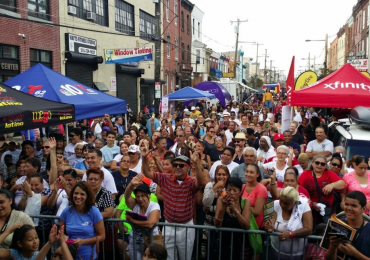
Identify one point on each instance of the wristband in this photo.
(291, 234)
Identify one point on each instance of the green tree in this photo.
(255, 82)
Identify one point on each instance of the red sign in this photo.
(290, 82)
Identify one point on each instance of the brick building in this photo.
(27, 36)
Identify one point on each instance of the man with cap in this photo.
(194, 113)
(75, 136)
(178, 190)
(239, 142)
(278, 140)
(13, 151)
(90, 137)
(265, 151)
(224, 122)
(135, 160)
(226, 160)
(187, 116)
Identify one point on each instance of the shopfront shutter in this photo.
(127, 89)
(80, 72)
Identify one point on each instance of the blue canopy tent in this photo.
(41, 81)
(189, 93)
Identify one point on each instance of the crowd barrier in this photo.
(197, 249)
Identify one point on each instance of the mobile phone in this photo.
(70, 241)
(270, 172)
(338, 235)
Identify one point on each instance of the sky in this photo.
(282, 26)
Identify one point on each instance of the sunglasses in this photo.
(72, 135)
(175, 165)
(45, 147)
(236, 141)
(336, 165)
(320, 163)
(131, 153)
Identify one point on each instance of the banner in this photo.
(127, 56)
(164, 105)
(285, 118)
(307, 78)
(360, 64)
(290, 82)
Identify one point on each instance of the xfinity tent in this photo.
(215, 88)
(41, 81)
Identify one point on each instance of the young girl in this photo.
(24, 245)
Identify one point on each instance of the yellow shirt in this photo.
(267, 97)
(194, 115)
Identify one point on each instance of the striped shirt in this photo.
(178, 197)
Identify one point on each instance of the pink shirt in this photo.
(352, 184)
(259, 191)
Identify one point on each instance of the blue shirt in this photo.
(81, 226)
(149, 126)
(82, 166)
(16, 254)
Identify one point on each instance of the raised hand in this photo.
(26, 188)
(53, 235)
(52, 143)
(144, 147)
(194, 157)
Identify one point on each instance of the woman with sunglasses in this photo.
(320, 184)
(359, 180)
(209, 140)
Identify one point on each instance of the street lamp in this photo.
(326, 50)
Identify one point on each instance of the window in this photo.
(198, 29)
(198, 57)
(124, 17)
(39, 9)
(193, 26)
(189, 54)
(40, 56)
(8, 5)
(167, 84)
(11, 54)
(368, 15)
(172, 82)
(176, 48)
(98, 7)
(147, 26)
(168, 10)
(363, 19)
(182, 52)
(175, 12)
(8, 52)
(168, 46)
(188, 24)
(182, 21)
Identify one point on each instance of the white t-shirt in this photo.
(236, 110)
(70, 149)
(299, 168)
(286, 247)
(152, 207)
(137, 167)
(229, 136)
(325, 145)
(236, 121)
(297, 118)
(19, 193)
(15, 156)
(108, 181)
(230, 166)
(279, 173)
(118, 158)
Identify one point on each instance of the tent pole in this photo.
(291, 113)
(126, 121)
(67, 139)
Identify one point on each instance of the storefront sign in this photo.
(131, 55)
(80, 44)
(113, 84)
(9, 67)
(228, 75)
(360, 64)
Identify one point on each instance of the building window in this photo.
(188, 24)
(168, 10)
(193, 26)
(175, 12)
(147, 26)
(363, 19)
(167, 84)
(8, 5)
(9, 57)
(182, 52)
(95, 9)
(176, 48)
(189, 54)
(39, 9)
(198, 57)
(182, 21)
(40, 56)
(168, 47)
(172, 82)
(124, 17)
(198, 29)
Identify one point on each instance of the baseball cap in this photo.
(133, 149)
(182, 158)
(187, 113)
(278, 136)
(27, 142)
(89, 133)
(192, 108)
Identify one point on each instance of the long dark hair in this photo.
(90, 200)
(19, 235)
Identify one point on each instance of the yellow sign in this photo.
(228, 75)
(305, 79)
(232, 66)
(365, 73)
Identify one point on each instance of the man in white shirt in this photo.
(226, 160)
(75, 136)
(110, 150)
(229, 132)
(321, 145)
(13, 151)
(93, 159)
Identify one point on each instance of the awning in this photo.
(101, 86)
(245, 86)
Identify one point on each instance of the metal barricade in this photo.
(202, 244)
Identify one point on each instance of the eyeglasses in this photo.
(71, 135)
(320, 163)
(336, 165)
(175, 165)
(45, 147)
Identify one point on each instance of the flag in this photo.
(290, 82)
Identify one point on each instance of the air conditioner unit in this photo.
(91, 16)
(72, 10)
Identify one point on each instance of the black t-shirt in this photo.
(122, 182)
(297, 138)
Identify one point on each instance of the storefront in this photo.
(81, 59)
(9, 62)
(148, 93)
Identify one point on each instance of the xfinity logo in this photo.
(339, 84)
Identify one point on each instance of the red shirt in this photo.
(307, 181)
(178, 197)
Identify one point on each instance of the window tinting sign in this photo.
(80, 44)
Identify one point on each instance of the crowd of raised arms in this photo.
(203, 165)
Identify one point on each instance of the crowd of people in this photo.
(223, 167)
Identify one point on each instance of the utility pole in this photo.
(158, 43)
(326, 54)
(265, 65)
(270, 76)
(309, 62)
(258, 44)
(237, 40)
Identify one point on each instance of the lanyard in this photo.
(5, 224)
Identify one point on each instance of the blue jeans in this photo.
(268, 103)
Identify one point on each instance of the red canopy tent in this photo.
(346, 87)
